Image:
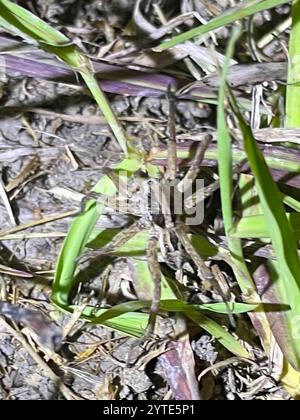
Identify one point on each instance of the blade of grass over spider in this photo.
(56, 43)
(172, 302)
(293, 87)
(137, 246)
(217, 331)
(129, 323)
(172, 306)
(282, 237)
(248, 8)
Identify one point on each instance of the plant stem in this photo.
(293, 88)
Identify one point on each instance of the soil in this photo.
(93, 358)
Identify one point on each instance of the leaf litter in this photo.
(63, 126)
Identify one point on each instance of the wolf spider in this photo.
(166, 231)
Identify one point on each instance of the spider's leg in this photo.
(154, 268)
(123, 237)
(172, 149)
(214, 275)
(192, 173)
(204, 271)
(205, 192)
(201, 194)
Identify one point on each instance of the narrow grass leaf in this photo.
(293, 86)
(143, 281)
(225, 159)
(256, 227)
(280, 231)
(225, 162)
(219, 333)
(79, 235)
(244, 10)
(56, 43)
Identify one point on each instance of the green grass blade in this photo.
(79, 235)
(256, 227)
(280, 232)
(30, 24)
(129, 323)
(73, 247)
(222, 308)
(248, 8)
(143, 281)
(108, 317)
(293, 87)
(226, 178)
(56, 43)
(172, 305)
(220, 334)
(225, 159)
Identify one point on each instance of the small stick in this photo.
(26, 171)
(67, 393)
(7, 204)
(49, 334)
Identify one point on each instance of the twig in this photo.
(6, 203)
(172, 150)
(67, 393)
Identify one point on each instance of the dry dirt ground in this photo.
(69, 154)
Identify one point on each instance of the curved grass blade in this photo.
(172, 305)
(219, 333)
(225, 162)
(248, 8)
(280, 232)
(143, 281)
(238, 263)
(213, 328)
(79, 236)
(293, 87)
(51, 40)
(73, 247)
